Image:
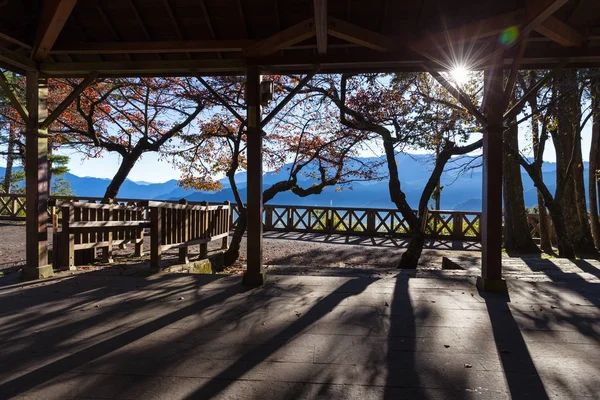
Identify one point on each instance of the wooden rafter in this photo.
(538, 11)
(10, 39)
(470, 32)
(12, 97)
(174, 46)
(211, 29)
(357, 35)
(68, 100)
(16, 60)
(175, 23)
(52, 21)
(285, 38)
(320, 7)
(559, 32)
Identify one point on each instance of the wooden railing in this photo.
(12, 207)
(183, 225)
(89, 226)
(460, 225)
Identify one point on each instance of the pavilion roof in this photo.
(180, 37)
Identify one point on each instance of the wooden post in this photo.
(205, 230)
(255, 274)
(225, 243)
(268, 218)
(107, 251)
(67, 240)
(155, 238)
(37, 174)
(491, 224)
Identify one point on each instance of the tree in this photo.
(403, 115)
(129, 117)
(305, 139)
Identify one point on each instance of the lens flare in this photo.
(510, 35)
(460, 74)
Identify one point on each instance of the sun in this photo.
(460, 74)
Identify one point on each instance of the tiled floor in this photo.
(114, 334)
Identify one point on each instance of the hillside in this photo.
(459, 192)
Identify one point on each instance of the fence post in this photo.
(155, 238)
(268, 218)
(107, 251)
(457, 224)
(182, 228)
(204, 227)
(139, 240)
(225, 243)
(67, 260)
(15, 208)
(371, 222)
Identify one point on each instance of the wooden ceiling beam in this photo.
(175, 46)
(538, 11)
(561, 33)
(320, 7)
(52, 21)
(470, 32)
(17, 60)
(357, 35)
(287, 37)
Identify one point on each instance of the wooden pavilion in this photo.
(91, 38)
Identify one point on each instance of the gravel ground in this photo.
(289, 249)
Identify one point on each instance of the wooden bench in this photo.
(184, 225)
(91, 226)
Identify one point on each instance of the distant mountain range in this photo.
(460, 192)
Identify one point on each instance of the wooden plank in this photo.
(561, 33)
(470, 32)
(288, 37)
(152, 47)
(52, 21)
(357, 35)
(156, 242)
(320, 7)
(90, 225)
(16, 60)
(537, 11)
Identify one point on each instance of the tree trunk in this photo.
(233, 252)
(545, 239)
(9, 160)
(117, 181)
(569, 165)
(517, 235)
(593, 165)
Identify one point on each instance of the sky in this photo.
(151, 169)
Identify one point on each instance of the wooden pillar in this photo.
(255, 274)
(37, 174)
(491, 235)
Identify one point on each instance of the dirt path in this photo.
(291, 249)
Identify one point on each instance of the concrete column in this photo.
(491, 224)
(255, 274)
(37, 175)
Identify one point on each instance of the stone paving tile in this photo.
(175, 336)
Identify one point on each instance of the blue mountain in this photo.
(461, 191)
